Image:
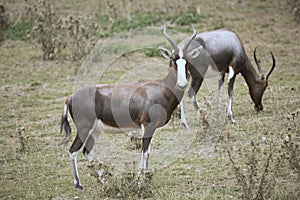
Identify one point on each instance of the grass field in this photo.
(34, 166)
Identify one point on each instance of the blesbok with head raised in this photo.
(145, 104)
(225, 53)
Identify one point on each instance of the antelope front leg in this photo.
(147, 135)
(182, 115)
(231, 79)
(144, 160)
(229, 110)
(193, 90)
(221, 88)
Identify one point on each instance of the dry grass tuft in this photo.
(122, 185)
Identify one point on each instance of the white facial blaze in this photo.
(181, 75)
(180, 53)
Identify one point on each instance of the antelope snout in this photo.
(182, 84)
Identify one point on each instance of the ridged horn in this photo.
(174, 45)
(190, 38)
(255, 59)
(273, 66)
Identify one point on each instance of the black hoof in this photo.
(233, 121)
(79, 187)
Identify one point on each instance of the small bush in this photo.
(291, 143)
(124, 185)
(54, 34)
(256, 169)
(81, 35)
(46, 29)
(295, 5)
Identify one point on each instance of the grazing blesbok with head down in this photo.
(145, 104)
(226, 54)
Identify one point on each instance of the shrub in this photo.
(295, 5)
(54, 34)
(122, 185)
(80, 34)
(46, 29)
(256, 169)
(291, 143)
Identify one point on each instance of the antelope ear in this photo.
(165, 52)
(195, 52)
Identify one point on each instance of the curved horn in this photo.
(273, 66)
(175, 47)
(255, 59)
(190, 38)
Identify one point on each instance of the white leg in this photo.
(147, 157)
(94, 133)
(231, 79)
(229, 110)
(230, 74)
(142, 155)
(141, 164)
(144, 160)
(221, 84)
(182, 115)
(90, 156)
(73, 157)
(142, 130)
(145, 154)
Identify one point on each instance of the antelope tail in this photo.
(64, 124)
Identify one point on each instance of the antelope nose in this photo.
(182, 84)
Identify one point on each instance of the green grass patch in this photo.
(151, 52)
(147, 19)
(138, 20)
(187, 18)
(18, 31)
(117, 49)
